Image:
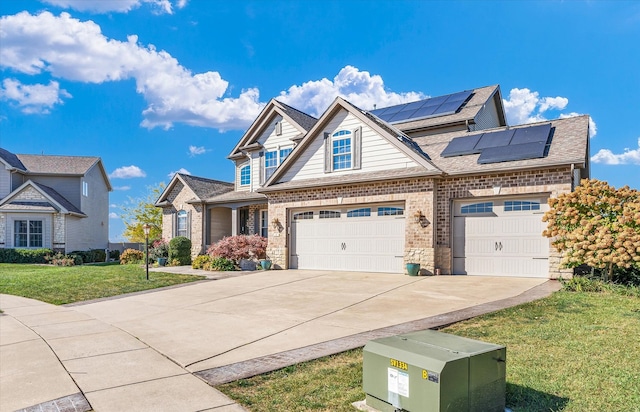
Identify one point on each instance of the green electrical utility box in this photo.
(434, 371)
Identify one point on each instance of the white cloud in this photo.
(122, 188)
(76, 50)
(196, 150)
(114, 215)
(524, 106)
(127, 172)
(358, 87)
(118, 6)
(35, 98)
(182, 170)
(607, 157)
(113, 206)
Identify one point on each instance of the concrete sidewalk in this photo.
(144, 351)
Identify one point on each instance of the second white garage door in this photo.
(363, 239)
(500, 237)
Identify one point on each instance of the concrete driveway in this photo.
(221, 330)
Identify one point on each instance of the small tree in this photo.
(596, 225)
(239, 247)
(137, 212)
(180, 249)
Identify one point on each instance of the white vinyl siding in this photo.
(376, 152)
(487, 117)
(5, 181)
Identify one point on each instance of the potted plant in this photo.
(413, 269)
(265, 264)
(160, 251)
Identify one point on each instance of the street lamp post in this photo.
(146, 227)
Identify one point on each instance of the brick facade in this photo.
(178, 197)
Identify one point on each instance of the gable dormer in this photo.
(267, 143)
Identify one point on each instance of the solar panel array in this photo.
(422, 109)
(504, 145)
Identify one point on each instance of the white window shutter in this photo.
(278, 128)
(189, 224)
(174, 224)
(262, 171)
(327, 153)
(357, 148)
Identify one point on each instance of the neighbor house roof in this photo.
(11, 159)
(569, 145)
(201, 187)
(59, 165)
(54, 200)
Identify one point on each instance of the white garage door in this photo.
(364, 239)
(500, 237)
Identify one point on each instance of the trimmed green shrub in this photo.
(220, 264)
(180, 250)
(200, 261)
(24, 255)
(114, 254)
(131, 256)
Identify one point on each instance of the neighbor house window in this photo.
(264, 223)
(85, 188)
(28, 233)
(365, 211)
(341, 150)
(270, 163)
(518, 205)
(245, 175)
(485, 207)
(182, 223)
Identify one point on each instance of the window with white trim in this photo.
(270, 163)
(519, 205)
(362, 212)
(85, 188)
(245, 175)
(284, 153)
(182, 229)
(341, 150)
(485, 207)
(390, 211)
(28, 233)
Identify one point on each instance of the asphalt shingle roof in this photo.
(12, 159)
(63, 165)
(205, 188)
(235, 197)
(304, 120)
(61, 200)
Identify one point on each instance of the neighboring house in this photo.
(443, 182)
(56, 202)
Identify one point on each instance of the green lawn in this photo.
(573, 352)
(60, 285)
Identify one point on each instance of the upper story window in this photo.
(341, 150)
(284, 153)
(270, 163)
(28, 233)
(485, 207)
(182, 228)
(245, 175)
(518, 205)
(390, 211)
(85, 188)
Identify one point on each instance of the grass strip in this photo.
(61, 285)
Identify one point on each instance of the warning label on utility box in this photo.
(398, 382)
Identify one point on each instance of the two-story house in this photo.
(443, 182)
(56, 202)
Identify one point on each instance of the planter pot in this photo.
(162, 261)
(265, 264)
(413, 269)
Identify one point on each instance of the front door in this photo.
(243, 223)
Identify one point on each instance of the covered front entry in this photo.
(500, 237)
(367, 238)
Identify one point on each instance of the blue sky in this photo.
(159, 86)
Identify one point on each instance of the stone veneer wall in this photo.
(553, 181)
(59, 235)
(417, 195)
(178, 198)
(3, 230)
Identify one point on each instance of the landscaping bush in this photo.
(98, 255)
(24, 255)
(220, 264)
(159, 249)
(180, 250)
(131, 256)
(239, 247)
(114, 254)
(200, 261)
(63, 260)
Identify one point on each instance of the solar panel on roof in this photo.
(436, 106)
(415, 105)
(495, 139)
(425, 111)
(461, 146)
(449, 107)
(405, 114)
(539, 134)
(460, 96)
(512, 153)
